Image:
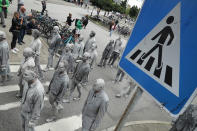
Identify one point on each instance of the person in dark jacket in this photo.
(15, 29)
(69, 20)
(31, 25)
(85, 21)
(43, 6)
(116, 23)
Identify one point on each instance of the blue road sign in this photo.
(162, 50)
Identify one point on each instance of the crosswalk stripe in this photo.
(10, 88)
(66, 124)
(14, 68)
(12, 105)
(6, 89)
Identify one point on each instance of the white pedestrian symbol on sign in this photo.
(158, 54)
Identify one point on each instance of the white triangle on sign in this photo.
(163, 61)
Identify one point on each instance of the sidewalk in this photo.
(144, 126)
(16, 58)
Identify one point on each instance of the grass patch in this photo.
(98, 22)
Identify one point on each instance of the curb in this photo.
(140, 123)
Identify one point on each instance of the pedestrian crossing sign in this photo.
(161, 51)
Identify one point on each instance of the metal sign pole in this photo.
(137, 93)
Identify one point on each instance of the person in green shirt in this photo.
(4, 4)
(79, 26)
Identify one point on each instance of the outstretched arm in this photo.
(157, 35)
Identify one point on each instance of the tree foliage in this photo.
(109, 5)
(124, 4)
(133, 12)
(103, 4)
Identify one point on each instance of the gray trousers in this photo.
(75, 83)
(38, 68)
(103, 61)
(120, 74)
(53, 101)
(25, 122)
(87, 123)
(50, 58)
(113, 58)
(2, 17)
(21, 85)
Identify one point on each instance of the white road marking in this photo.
(66, 124)
(6, 89)
(14, 68)
(13, 105)
(10, 88)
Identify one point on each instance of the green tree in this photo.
(103, 4)
(109, 5)
(124, 4)
(118, 8)
(127, 11)
(134, 12)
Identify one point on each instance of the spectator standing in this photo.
(85, 21)
(93, 10)
(69, 20)
(43, 6)
(23, 17)
(98, 11)
(15, 29)
(111, 28)
(78, 28)
(86, 3)
(81, 3)
(20, 3)
(116, 23)
(78, 2)
(4, 4)
(31, 25)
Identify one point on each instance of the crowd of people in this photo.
(75, 63)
